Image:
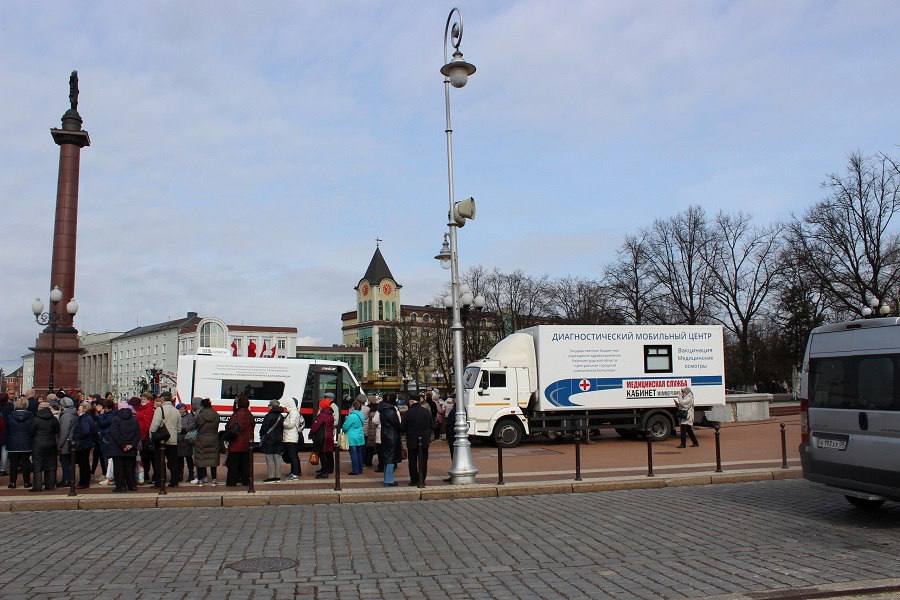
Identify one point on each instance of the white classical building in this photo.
(158, 346)
(27, 372)
(95, 362)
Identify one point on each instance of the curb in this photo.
(355, 496)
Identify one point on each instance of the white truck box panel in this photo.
(600, 367)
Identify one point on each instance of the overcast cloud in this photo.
(246, 155)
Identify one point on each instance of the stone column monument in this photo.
(71, 138)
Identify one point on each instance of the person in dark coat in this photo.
(239, 451)
(206, 448)
(419, 426)
(44, 449)
(186, 443)
(6, 409)
(270, 433)
(104, 421)
(451, 425)
(83, 438)
(391, 444)
(122, 447)
(322, 434)
(19, 436)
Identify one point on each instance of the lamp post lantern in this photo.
(52, 319)
(456, 72)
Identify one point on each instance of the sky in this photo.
(245, 156)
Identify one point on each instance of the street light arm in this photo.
(453, 31)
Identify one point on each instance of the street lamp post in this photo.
(52, 319)
(456, 73)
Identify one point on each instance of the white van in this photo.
(850, 409)
(223, 378)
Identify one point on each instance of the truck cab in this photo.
(499, 390)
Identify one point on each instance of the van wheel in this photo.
(508, 433)
(864, 503)
(658, 427)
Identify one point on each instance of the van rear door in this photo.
(854, 421)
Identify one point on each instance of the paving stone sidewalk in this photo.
(691, 542)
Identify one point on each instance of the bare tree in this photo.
(846, 241)
(581, 301)
(414, 350)
(515, 299)
(631, 282)
(675, 259)
(743, 263)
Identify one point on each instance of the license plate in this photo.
(831, 444)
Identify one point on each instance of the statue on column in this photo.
(73, 90)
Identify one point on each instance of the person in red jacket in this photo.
(322, 435)
(143, 410)
(239, 435)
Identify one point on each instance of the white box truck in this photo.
(222, 378)
(553, 379)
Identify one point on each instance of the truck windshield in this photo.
(471, 377)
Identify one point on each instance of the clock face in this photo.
(365, 289)
(386, 289)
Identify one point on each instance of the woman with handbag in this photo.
(270, 439)
(293, 429)
(685, 404)
(353, 428)
(391, 445)
(322, 432)
(239, 435)
(206, 446)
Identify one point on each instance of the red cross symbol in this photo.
(585, 385)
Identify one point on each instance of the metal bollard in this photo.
(578, 457)
(251, 489)
(161, 463)
(650, 457)
(784, 464)
(337, 467)
(420, 453)
(72, 491)
(718, 451)
(500, 465)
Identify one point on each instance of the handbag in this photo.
(162, 433)
(313, 458)
(682, 414)
(344, 441)
(231, 431)
(191, 436)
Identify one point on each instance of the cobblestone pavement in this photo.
(692, 542)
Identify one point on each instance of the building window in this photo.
(282, 344)
(212, 335)
(164, 348)
(380, 310)
(387, 351)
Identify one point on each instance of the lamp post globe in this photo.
(885, 310)
(866, 311)
(479, 301)
(37, 307)
(873, 302)
(56, 294)
(72, 307)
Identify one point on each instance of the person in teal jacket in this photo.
(354, 428)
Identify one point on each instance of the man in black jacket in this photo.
(419, 426)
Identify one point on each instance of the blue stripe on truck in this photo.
(559, 393)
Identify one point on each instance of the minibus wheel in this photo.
(864, 503)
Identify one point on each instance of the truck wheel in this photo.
(659, 427)
(864, 503)
(508, 433)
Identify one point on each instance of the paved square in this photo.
(668, 543)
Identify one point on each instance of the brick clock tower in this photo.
(71, 138)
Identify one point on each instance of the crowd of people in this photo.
(151, 440)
